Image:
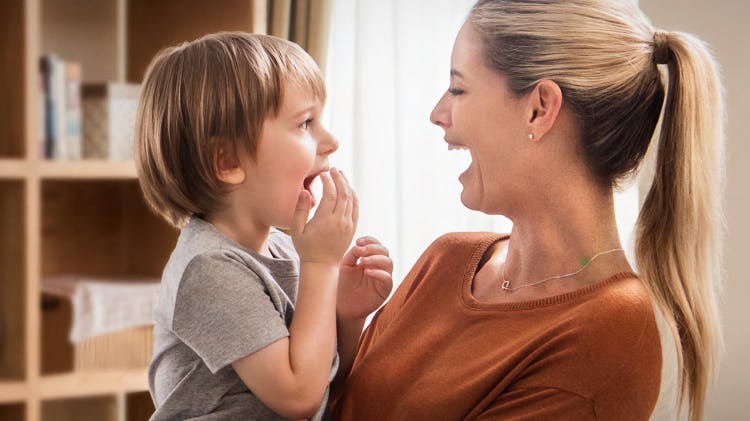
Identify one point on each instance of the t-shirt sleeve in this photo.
(223, 311)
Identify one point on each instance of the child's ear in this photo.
(228, 167)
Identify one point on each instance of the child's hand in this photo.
(326, 236)
(365, 279)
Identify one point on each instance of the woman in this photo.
(557, 101)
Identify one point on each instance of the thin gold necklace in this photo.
(585, 262)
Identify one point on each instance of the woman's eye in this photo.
(455, 91)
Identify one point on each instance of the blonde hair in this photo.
(603, 54)
(204, 96)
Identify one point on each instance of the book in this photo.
(57, 98)
(47, 109)
(60, 83)
(72, 137)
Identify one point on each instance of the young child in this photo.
(228, 141)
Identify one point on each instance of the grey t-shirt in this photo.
(219, 302)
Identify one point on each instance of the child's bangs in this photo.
(304, 73)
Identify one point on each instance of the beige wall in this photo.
(725, 24)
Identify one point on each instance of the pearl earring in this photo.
(531, 136)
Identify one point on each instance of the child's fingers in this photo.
(372, 249)
(350, 258)
(351, 204)
(328, 201)
(355, 208)
(343, 195)
(301, 212)
(383, 281)
(365, 240)
(379, 262)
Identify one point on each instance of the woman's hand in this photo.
(365, 279)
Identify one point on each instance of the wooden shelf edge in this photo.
(87, 169)
(12, 392)
(14, 168)
(93, 383)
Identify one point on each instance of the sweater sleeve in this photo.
(539, 404)
(451, 247)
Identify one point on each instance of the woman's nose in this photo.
(440, 115)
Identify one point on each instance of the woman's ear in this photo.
(228, 167)
(545, 101)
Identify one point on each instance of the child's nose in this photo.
(327, 144)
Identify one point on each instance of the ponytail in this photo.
(679, 230)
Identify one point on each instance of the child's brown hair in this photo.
(202, 96)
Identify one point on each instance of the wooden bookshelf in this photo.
(14, 168)
(88, 216)
(105, 382)
(12, 392)
(13, 78)
(12, 412)
(85, 169)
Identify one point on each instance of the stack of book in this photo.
(93, 120)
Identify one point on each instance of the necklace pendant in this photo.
(506, 285)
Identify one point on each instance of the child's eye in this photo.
(305, 123)
(455, 91)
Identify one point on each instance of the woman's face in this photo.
(479, 113)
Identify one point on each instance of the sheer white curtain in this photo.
(388, 64)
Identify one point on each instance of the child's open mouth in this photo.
(307, 184)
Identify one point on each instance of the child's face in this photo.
(293, 148)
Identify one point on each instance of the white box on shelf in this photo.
(109, 110)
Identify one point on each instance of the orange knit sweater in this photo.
(435, 353)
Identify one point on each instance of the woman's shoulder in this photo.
(442, 264)
(621, 342)
(623, 300)
(453, 241)
(616, 328)
(454, 251)
(619, 309)
(602, 344)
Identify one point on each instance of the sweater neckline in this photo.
(470, 272)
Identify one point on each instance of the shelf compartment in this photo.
(12, 80)
(148, 31)
(90, 33)
(97, 228)
(15, 412)
(71, 385)
(103, 408)
(12, 281)
(101, 228)
(138, 406)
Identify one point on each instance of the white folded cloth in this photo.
(105, 305)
